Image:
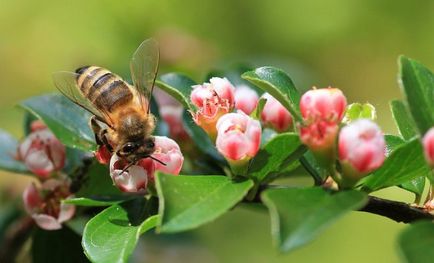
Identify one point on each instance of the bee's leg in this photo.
(100, 133)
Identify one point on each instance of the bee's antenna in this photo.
(128, 166)
(155, 159)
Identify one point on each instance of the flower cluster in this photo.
(44, 156)
(361, 145)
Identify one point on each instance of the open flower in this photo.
(103, 155)
(246, 99)
(45, 206)
(213, 100)
(168, 152)
(238, 137)
(134, 179)
(42, 152)
(428, 146)
(275, 115)
(361, 148)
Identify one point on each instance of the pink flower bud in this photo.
(320, 136)
(275, 115)
(45, 204)
(135, 178)
(168, 152)
(37, 125)
(325, 104)
(361, 148)
(238, 136)
(171, 112)
(246, 99)
(42, 153)
(103, 155)
(213, 99)
(428, 146)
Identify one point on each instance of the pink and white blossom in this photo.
(275, 114)
(246, 99)
(428, 146)
(103, 155)
(135, 178)
(213, 100)
(361, 147)
(42, 152)
(168, 152)
(238, 136)
(325, 104)
(45, 205)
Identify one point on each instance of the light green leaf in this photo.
(298, 215)
(97, 200)
(359, 111)
(417, 241)
(112, 235)
(279, 85)
(417, 83)
(178, 86)
(403, 120)
(405, 163)
(66, 120)
(186, 202)
(280, 152)
(8, 152)
(256, 113)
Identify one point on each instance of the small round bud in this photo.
(428, 146)
(275, 115)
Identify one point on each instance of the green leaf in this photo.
(417, 83)
(57, 246)
(95, 183)
(311, 165)
(403, 120)
(178, 86)
(279, 85)
(359, 111)
(187, 202)
(66, 120)
(97, 200)
(112, 235)
(298, 215)
(280, 152)
(416, 242)
(8, 151)
(415, 185)
(405, 163)
(256, 113)
(200, 138)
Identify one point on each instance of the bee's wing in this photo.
(144, 68)
(66, 83)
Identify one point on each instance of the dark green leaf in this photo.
(280, 152)
(404, 164)
(178, 86)
(27, 122)
(279, 85)
(299, 215)
(58, 246)
(310, 164)
(416, 242)
(95, 183)
(187, 202)
(417, 82)
(405, 124)
(66, 120)
(200, 138)
(8, 152)
(359, 111)
(112, 235)
(392, 142)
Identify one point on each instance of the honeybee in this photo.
(121, 119)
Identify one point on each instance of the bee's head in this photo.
(137, 149)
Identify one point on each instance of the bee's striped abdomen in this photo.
(104, 89)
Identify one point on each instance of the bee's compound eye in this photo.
(128, 148)
(150, 144)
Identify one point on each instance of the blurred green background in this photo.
(349, 44)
